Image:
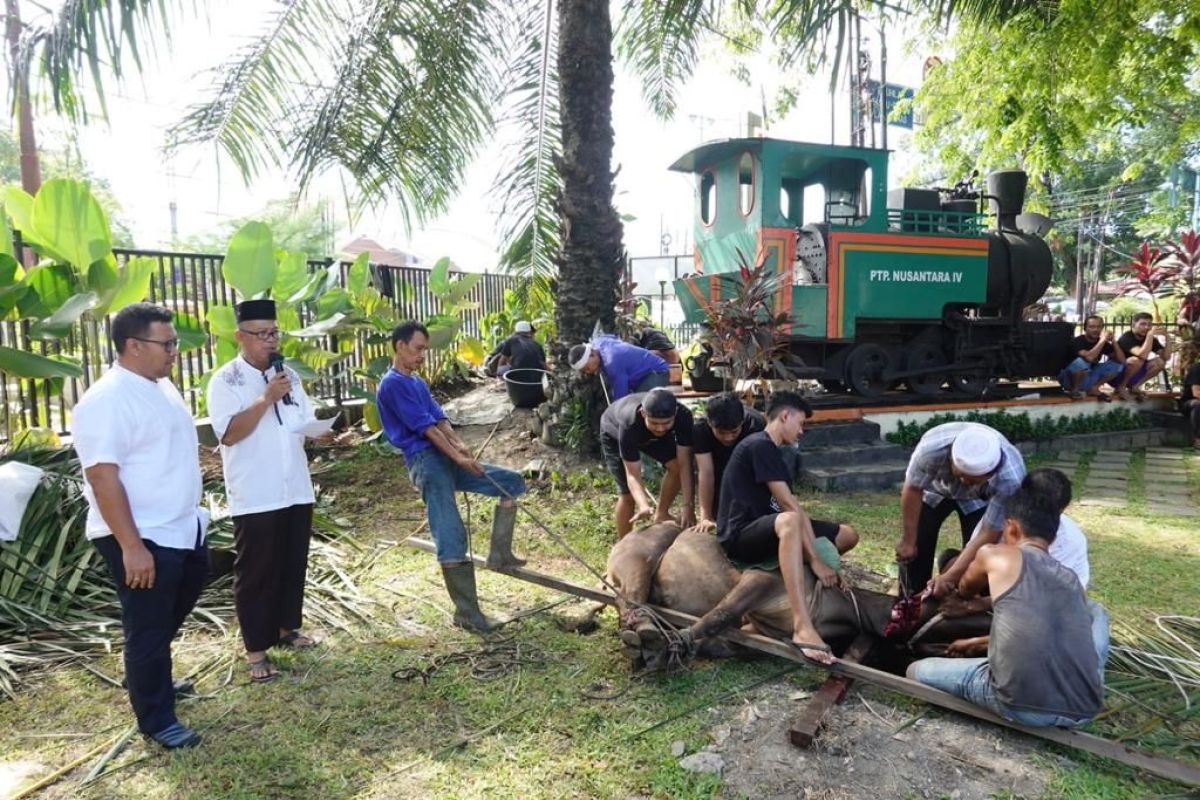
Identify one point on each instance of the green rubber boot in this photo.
(501, 555)
(460, 583)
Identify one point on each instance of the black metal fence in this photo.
(192, 283)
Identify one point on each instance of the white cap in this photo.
(583, 359)
(523, 327)
(976, 451)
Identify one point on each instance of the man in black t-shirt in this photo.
(1095, 360)
(656, 342)
(656, 424)
(760, 518)
(521, 350)
(727, 423)
(1189, 401)
(1145, 355)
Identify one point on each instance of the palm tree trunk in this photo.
(31, 171)
(592, 257)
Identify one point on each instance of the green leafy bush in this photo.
(1020, 428)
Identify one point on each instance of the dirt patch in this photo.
(869, 748)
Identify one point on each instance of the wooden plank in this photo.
(1177, 771)
(832, 692)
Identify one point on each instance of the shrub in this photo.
(1020, 428)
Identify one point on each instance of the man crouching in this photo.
(1048, 642)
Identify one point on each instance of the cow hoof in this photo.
(630, 638)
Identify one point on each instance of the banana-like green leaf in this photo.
(371, 416)
(58, 324)
(222, 321)
(68, 221)
(442, 334)
(31, 365)
(287, 318)
(133, 284)
(461, 288)
(53, 285)
(321, 327)
(334, 301)
(102, 276)
(472, 351)
(309, 289)
(249, 264)
(18, 205)
(359, 276)
(439, 277)
(6, 246)
(290, 277)
(190, 331)
(12, 287)
(305, 372)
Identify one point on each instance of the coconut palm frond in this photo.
(660, 39)
(528, 184)
(57, 601)
(89, 38)
(396, 94)
(261, 85)
(1153, 683)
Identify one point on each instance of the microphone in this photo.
(276, 361)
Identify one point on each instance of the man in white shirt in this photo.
(138, 448)
(258, 409)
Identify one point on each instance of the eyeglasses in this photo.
(264, 336)
(165, 344)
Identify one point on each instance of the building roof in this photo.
(378, 254)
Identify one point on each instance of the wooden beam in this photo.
(832, 692)
(1178, 771)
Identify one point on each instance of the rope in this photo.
(490, 662)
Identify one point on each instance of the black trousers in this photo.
(150, 618)
(268, 572)
(1191, 410)
(917, 572)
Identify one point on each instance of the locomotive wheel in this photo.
(972, 384)
(924, 355)
(867, 370)
(833, 387)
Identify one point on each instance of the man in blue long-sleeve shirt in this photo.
(440, 464)
(627, 368)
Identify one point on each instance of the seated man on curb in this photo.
(1145, 355)
(439, 464)
(726, 424)
(626, 368)
(1048, 642)
(1189, 401)
(761, 520)
(657, 424)
(1096, 360)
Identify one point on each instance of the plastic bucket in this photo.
(525, 387)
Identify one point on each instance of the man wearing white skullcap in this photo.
(962, 468)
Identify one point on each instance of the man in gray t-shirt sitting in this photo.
(1048, 642)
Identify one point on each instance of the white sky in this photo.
(128, 150)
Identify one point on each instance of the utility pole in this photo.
(31, 171)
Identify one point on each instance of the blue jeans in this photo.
(1097, 374)
(971, 679)
(438, 478)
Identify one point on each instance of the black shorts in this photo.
(661, 450)
(757, 541)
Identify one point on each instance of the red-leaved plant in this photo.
(1185, 254)
(1152, 272)
(746, 335)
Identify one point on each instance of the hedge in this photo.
(1020, 428)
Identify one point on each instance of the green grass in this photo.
(339, 725)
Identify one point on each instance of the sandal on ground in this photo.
(176, 736)
(297, 641)
(262, 671)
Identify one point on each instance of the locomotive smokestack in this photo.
(1006, 196)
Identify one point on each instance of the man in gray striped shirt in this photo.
(962, 468)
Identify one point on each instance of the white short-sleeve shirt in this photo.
(267, 470)
(1070, 548)
(146, 430)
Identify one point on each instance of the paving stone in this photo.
(1175, 511)
(1107, 477)
(1103, 502)
(1174, 478)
